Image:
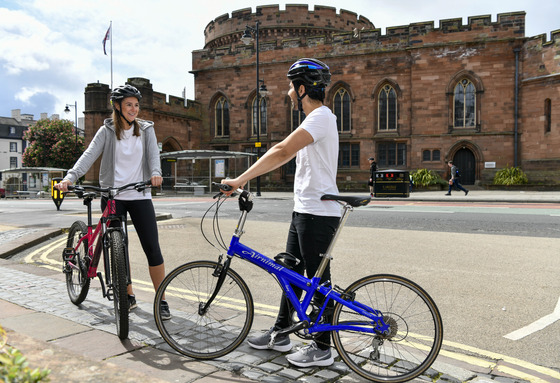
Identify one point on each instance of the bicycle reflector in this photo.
(57, 195)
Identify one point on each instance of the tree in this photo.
(52, 143)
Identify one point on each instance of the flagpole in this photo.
(111, 36)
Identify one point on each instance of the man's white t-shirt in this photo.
(316, 165)
(128, 165)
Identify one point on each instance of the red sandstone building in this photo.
(481, 94)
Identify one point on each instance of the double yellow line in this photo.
(488, 360)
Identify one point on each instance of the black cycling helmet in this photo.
(310, 72)
(124, 91)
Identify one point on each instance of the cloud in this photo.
(54, 47)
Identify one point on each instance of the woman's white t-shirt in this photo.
(128, 165)
(316, 165)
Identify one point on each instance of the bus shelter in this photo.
(194, 170)
(29, 181)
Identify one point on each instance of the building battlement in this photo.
(322, 32)
(274, 23)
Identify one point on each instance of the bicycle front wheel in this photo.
(415, 334)
(75, 263)
(118, 278)
(218, 330)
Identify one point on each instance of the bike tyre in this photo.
(77, 281)
(119, 280)
(415, 336)
(218, 331)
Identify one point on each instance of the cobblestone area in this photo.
(11, 235)
(48, 295)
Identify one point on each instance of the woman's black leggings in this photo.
(143, 218)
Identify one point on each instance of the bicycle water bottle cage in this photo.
(245, 203)
(287, 260)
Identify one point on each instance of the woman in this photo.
(130, 154)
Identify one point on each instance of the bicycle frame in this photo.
(97, 240)
(287, 278)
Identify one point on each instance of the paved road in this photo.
(478, 286)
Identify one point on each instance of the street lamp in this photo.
(247, 39)
(67, 110)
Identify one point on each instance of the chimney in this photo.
(16, 114)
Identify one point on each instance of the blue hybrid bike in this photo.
(384, 327)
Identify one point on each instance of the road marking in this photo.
(470, 358)
(517, 362)
(537, 325)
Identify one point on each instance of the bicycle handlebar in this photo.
(226, 188)
(139, 186)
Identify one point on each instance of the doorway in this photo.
(465, 161)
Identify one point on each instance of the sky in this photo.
(51, 49)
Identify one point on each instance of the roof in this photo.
(204, 154)
(32, 170)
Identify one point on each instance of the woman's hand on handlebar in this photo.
(156, 180)
(63, 185)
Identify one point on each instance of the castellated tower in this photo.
(397, 95)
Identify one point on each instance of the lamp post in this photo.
(67, 110)
(247, 39)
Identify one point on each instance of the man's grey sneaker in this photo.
(310, 356)
(262, 342)
(132, 302)
(164, 312)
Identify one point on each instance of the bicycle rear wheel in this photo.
(76, 265)
(221, 328)
(119, 277)
(414, 338)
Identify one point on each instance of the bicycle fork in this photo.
(220, 272)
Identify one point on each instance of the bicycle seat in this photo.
(350, 200)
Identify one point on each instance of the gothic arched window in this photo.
(387, 108)
(342, 110)
(221, 118)
(464, 104)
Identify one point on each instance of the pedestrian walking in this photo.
(372, 170)
(454, 180)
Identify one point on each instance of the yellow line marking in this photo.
(261, 308)
(508, 359)
(53, 245)
(520, 374)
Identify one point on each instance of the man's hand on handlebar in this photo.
(233, 183)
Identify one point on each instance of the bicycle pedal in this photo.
(68, 254)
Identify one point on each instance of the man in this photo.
(315, 145)
(454, 180)
(372, 170)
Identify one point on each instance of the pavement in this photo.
(78, 343)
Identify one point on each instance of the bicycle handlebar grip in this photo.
(224, 187)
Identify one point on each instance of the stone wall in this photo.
(420, 61)
(177, 127)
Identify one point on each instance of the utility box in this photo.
(392, 183)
